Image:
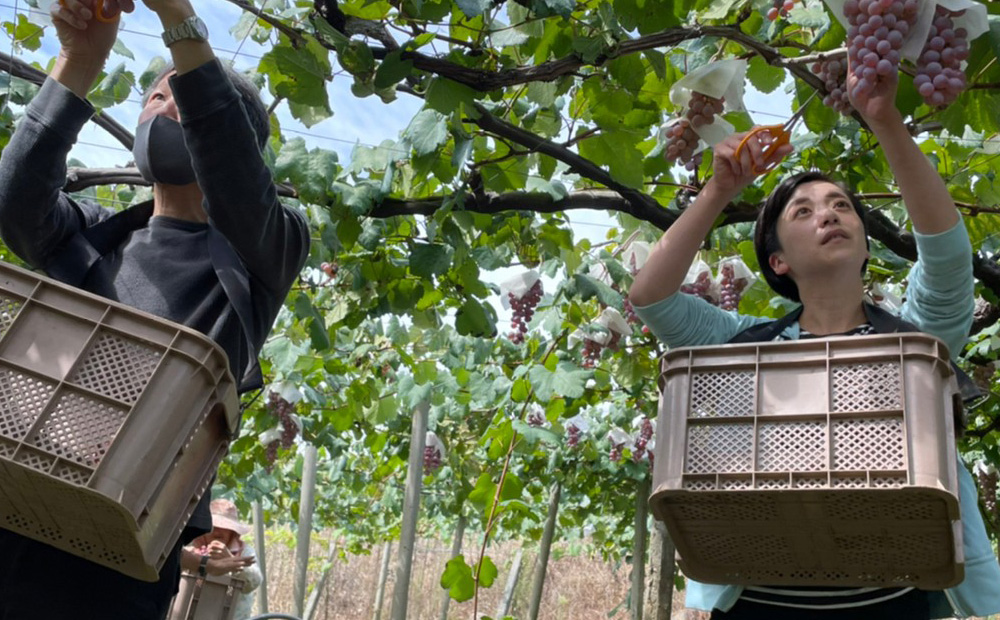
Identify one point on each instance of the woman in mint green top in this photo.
(812, 245)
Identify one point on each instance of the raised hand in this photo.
(731, 173)
(85, 39)
(876, 105)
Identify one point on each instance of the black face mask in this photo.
(160, 152)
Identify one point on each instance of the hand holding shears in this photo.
(779, 135)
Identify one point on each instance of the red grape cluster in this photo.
(700, 287)
(681, 139)
(616, 452)
(330, 269)
(536, 418)
(432, 459)
(988, 484)
(645, 434)
(780, 8)
(591, 352)
(875, 35)
(572, 435)
(833, 72)
(524, 308)
(629, 312)
(731, 288)
(283, 410)
(940, 78)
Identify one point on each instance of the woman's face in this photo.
(224, 536)
(819, 230)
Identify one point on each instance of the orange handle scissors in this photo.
(780, 134)
(98, 12)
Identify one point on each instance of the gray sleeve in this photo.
(240, 197)
(36, 217)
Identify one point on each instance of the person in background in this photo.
(214, 250)
(223, 551)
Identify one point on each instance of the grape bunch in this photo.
(876, 31)
(629, 312)
(572, 435)
(432, 459)
(591, 352)
(833, 72)
(524, 308)
(732, 288)
(700, 287)
(780, 8)
(940, 78)
(681, 139)
(988, 484)
(616, 452)
(283, 410)
(330, 269)
(645, 434)
(536, 418)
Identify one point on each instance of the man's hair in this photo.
(765, 238)
(249, 95)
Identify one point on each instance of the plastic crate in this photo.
(814, 462)
(112, 423)
(206, 598)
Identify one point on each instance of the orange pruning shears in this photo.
(98, 12)
(780, 134)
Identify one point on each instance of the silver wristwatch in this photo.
(190, 28)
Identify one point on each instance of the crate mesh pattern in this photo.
(117, 368)
(22, 398)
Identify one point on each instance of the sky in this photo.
(366, 121)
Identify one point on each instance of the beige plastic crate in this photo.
(206, 598)
(112, 423)
(813, 462)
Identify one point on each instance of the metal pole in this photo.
(543, 552)
(306, 505)
(383, 575)
(508, 592)
(639, 551)
(411, 509)
(258, 535)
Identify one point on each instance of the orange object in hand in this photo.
(98, 12)
(780, 136)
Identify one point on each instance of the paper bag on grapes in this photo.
(969, 15)
(699, 281)
(884, 298)
(614, 322)
(634, 256)
(720, 79)
(517, 286)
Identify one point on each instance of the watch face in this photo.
(199, 28)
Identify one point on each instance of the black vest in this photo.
(883, 323)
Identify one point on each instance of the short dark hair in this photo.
(765, 237)
(249, 95)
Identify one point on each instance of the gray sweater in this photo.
(163, 268)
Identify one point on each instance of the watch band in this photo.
(191, 28)
(201, 566)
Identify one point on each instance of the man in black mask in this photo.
(214, 250)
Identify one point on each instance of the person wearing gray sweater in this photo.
(214, 250)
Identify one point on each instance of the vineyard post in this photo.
(503, 608)
(411, 509)
(331, 555)
(665, 572)
(383, 575)
(456, 550)
(306, 505)
(258, 534)
(639, 550)
(543, 552)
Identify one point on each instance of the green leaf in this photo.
(512, 488)
(567, 380)
(487, 572)
(535, 434)
(311, 172)
(763, 76)
(427, 131)
(392, 70)
(122, 50)
(429, 259)
(446, 95)
(473, 8)
(457, 579)
(483, 493)
(719, 9)
(475, 319)
(591, 287)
